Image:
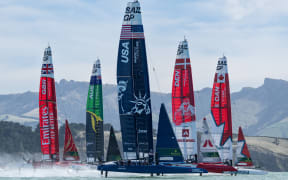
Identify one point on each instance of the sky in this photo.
(253, 35)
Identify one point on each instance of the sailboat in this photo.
(220, 121)
(208, 153)
(244, 162)
(183, 104)
(48, 122)
(168, 152)
(209, 157)
(113, 151)
(167, 147)
(134, 101)
(70, 152)
(220, 124)
(184, 117)
(94, 118)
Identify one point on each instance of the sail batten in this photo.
(133, 87)
(183, 104)
(48, 122)
(94, 117)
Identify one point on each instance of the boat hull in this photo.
(251, 171)
(150, 169)
(217, 168)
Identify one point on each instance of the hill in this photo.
(261, 111)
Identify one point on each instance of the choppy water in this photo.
(63, 174)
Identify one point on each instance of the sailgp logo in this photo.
(185, 132)
(130, 13)
(181, 48)
(221, 65)
(125, 52)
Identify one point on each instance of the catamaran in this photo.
(168, 152)
(220, 119)
(183, 104)
(184, 116)
(244, 162)
(209, 158)
(48, 122)
(94, 118)
(134, 101)
(220, 123)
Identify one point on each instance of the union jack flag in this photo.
(47, 69)
(132, 32)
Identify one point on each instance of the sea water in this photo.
(90, 174)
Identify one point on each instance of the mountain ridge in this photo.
(261, 111)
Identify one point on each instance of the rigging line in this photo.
(155, 74)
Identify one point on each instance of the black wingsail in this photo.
(133, 87)
(113, 152)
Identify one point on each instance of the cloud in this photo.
(250, 32)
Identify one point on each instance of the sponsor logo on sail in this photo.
(177, 78)
(44, 86)
(45, 126)
(185, 132)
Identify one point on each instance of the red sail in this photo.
(70, 150)
(221, 111)
(243, 155)
(183, 105)
(48, 110)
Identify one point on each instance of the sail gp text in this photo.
(130, 13)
